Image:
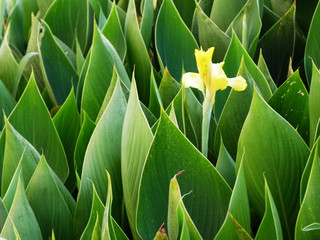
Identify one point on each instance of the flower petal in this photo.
(192, 80)
(203, 63)
(217, 70)
(238, 83)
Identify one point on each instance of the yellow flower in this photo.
(211, 77)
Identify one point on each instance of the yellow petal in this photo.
(219, 80)
(238, 83)
(192, 80)
(204, 64)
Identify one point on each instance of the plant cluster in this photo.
(159, 119)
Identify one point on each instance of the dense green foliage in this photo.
(99, 139)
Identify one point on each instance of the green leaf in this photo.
(96, 213)
(82, 142)
(155, 102)
(207, 203)
(3, 214)
(281, 164)
(7, 103)
(314, 101)
(270, 226)
(8, 64)
(32, 120)
(18, 151)
(234, 114)
(21, 217)
(103, 152)
(291, 101)
(68, 20)
(146, 24)
(174, 42)
(137, 53)
(43, 6)
(113, 32)
(312, 227)
(309, 211)
(59, 73)
(277, 55)
(222, 13)
(312, 51)
(168, 88)
(210, 35)
(2, 14)
(103, 58)
(247, 25)
(161, 234)
(238, 208)
(136, 140)
(226, 165)
(242, 234)
(51, 202)
(67, 123)
(186, 9)
(233, 60)
(262, 65)
(176, 208)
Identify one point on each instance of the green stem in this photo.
(206, 117)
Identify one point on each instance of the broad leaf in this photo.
(314, 102)
(7, 103)
(207, 203)
(281, 164)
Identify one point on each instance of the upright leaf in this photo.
(137, 53)
(52, 204)
(7, 103)
(32, 120)
(270, 226)
(103, 153)
(68, 20)
(314, 101)
(291, 101)
(103, 58)
(136, 140)
(174, 42)
(207, 203)
(312, 51)
(263, 155)
(21, 218)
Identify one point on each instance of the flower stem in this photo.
(206, 117)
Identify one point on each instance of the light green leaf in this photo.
(281, 164)
(210, 35)
(207, 203)
(168, 88)
(67, 123)
(96, 213)
(175, 44)
(21, 218)
(113, 32)
(32, 120)
(7, 103)
(312, 227)
(136, 140)
(309, 211)
(224, 11)
(8, 64)
(312, 51)
(239, 209)
(51, 202)
(82, 141)
(270, 226)
(103, 152)
(247, 25)
(314, 101)
(18, 151)
(137, 53)
(179, 221)
(103, 58)
(3, 214)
